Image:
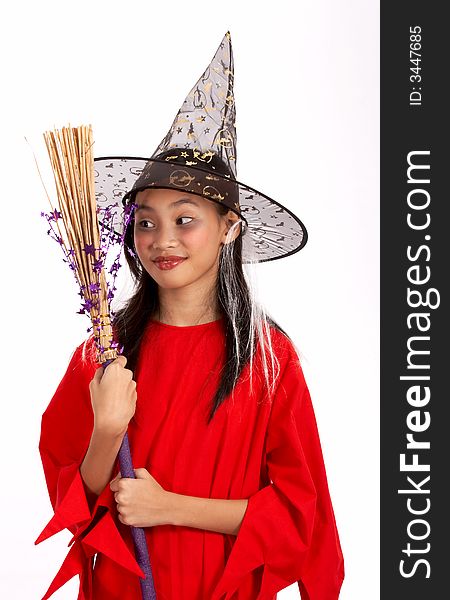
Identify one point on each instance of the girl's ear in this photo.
(231, 219)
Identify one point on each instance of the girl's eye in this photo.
(191, 218)
(142, 223)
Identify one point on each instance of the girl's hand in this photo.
(113, 397)
(141, 502)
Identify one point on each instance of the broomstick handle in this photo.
(138, 534)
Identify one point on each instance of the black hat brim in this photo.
(272, 231)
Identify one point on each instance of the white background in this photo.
(307, 92)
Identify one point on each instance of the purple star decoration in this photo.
(108, 237)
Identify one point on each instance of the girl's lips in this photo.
(166, 265)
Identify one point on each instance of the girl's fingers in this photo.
(113, 481)
(121, 360)
(98, 374)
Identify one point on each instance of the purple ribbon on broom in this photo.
(85, 248)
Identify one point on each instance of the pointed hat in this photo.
(198, 155)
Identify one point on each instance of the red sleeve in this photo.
(66, 430)
(289, 527)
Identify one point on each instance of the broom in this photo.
(85, 248)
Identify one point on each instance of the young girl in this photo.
(230, 482)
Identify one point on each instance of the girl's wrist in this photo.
(174, 506)
(106, 432)
(212, 514)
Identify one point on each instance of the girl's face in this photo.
(172, 223)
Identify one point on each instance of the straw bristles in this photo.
(72, 160)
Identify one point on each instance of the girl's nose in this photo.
(163, 236)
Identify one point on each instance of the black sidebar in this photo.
(415, 255)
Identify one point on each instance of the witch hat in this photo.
(198, 155)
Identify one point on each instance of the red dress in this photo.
(268, 453)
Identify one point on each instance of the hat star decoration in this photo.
(198, 155)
